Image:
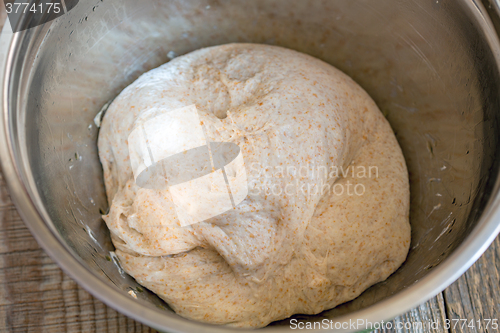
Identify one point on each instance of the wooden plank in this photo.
(428, 317)
(475, 296)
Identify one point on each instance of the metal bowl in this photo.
(432, 67)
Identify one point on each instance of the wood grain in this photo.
(430, 315)
(476, 294)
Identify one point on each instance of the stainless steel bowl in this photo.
(432, 67)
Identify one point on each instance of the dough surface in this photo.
(295, 244)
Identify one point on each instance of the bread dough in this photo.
(288, 247)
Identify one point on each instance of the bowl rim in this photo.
(29, 206)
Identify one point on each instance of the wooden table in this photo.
(37, 296)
